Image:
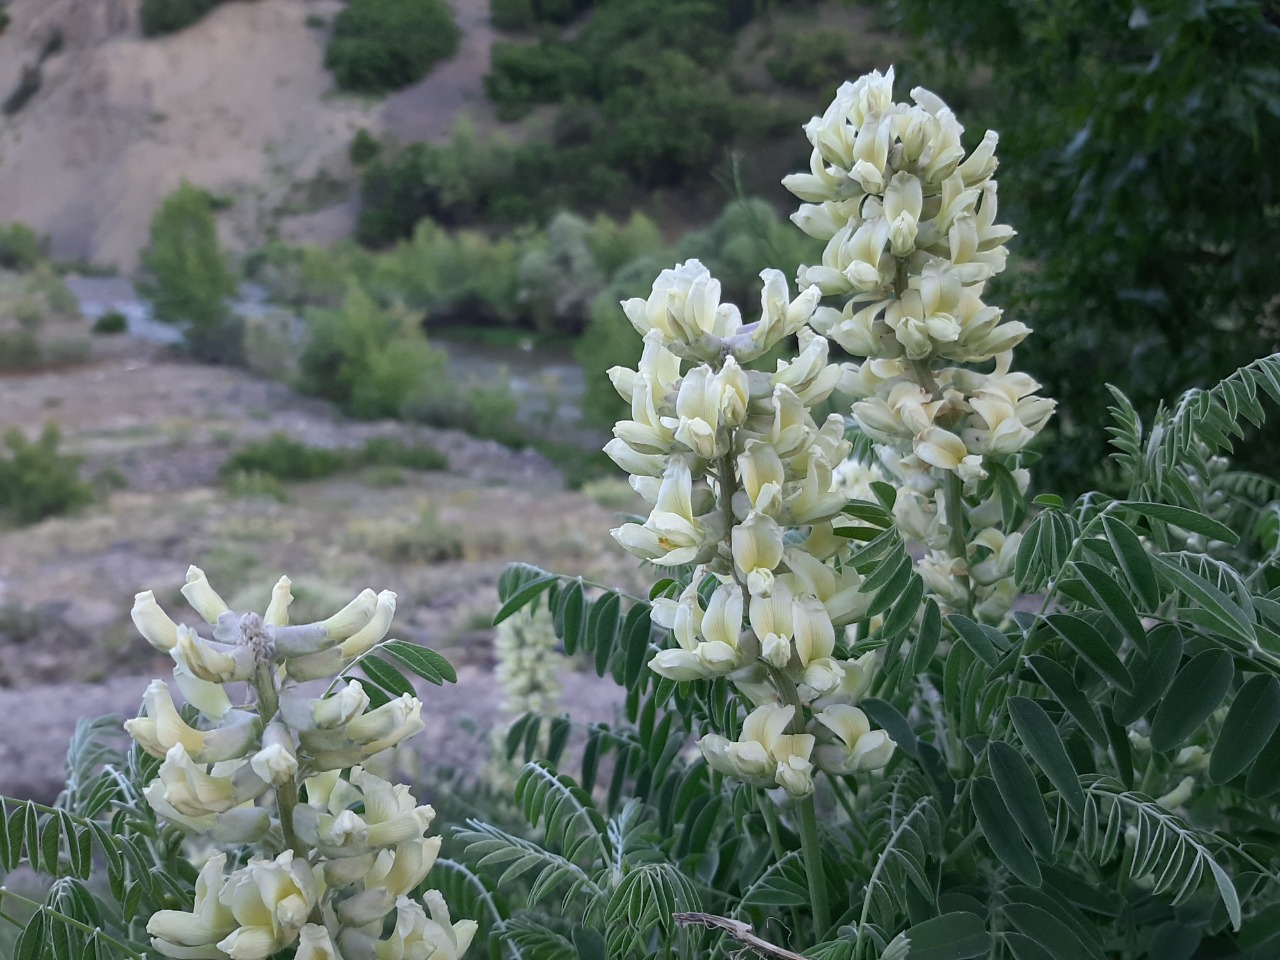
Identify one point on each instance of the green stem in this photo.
(957, 543)
(811, 848)
(68, 921)
(810, 844)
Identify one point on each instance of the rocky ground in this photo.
(439, 539)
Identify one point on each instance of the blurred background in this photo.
(329, 288)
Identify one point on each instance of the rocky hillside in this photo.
(239, 104)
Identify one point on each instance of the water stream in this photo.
(549, 385)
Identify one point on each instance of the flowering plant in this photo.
(842, 731)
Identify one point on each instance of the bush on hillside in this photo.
(364, 147)
(158, 17)
(367, 359)
(812, 60)
(111, 322)
(452, 184)
(383, 45)
(19, 247)
(461, 277)
(561, 277)
(190, 282)
(36, 481)
(283, 458)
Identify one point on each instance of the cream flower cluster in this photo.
(526, 670)
(739, 476)
(911, 232)
(347, 857)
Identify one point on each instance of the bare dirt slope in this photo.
(439, 539)
(240, 104)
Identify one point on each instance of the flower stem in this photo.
(810, 844)
(811, 847)
(958, 545)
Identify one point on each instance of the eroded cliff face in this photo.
(239, 104)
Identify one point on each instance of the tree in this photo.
(1141, 144)
(190, 281)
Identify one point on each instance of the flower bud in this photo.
(277, 614)
(353, 616)
(372, 632)
(202, 597)
(152, 622)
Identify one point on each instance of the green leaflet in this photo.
(1021, 794)
(1001, 832)
(1041, 738)
(951, 936)
(1152, 674)
(1195, 693)
(1252, 719)
(1087, 641)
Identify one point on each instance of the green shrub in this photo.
(158, 17)
(249, 484)
(29, 313)
(19, 350)
(367, 359)
(427, 541)
(512, 15)
(614, 244)
(19, 247)
(461, 277)
(111, 322)
(391, 452)
(451, 184)
(46, 283)
(364, 147)
(560, 277)
(282, 457)
(1119, 141)
(522, 74)
(316, 22)
(190, 281)
(382, 45)
(813, 60)
(36, 481)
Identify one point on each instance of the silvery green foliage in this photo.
(1092, 776)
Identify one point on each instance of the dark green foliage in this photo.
(36, 481)
(280, 457)
(364, 147)
(19, 248)
(19, 350)
(390, 452)
(284, 458)
(368, 360)
(159, 17)
(383, 45)
(512, 15)
(190, 281)
(111, 322)
(1123, 129)
(814, 60)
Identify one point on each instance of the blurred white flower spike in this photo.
(330, 870)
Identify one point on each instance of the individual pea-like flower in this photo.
(176, 933)
(765, 755)
(857, 747)
(672, 534)
(417, 936)
(194, 792)
(271, 901)
(708, 639)
(161, 727)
